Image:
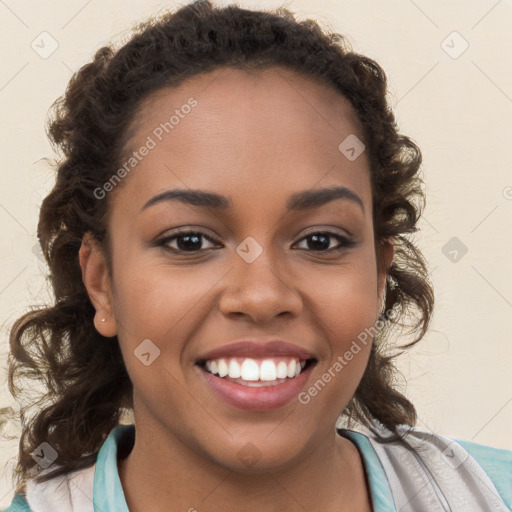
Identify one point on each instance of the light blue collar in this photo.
(108, 495)
(380, 491)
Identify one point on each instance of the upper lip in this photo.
(254, 348)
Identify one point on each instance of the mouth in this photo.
(256, 383)
(257, 372)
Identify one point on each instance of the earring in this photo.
(103, 320)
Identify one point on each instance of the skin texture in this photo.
(257, 138)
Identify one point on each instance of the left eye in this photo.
(321, 240)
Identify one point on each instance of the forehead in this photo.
(269, 131)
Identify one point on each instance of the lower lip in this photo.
(261, 398)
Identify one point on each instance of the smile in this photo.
(256, 383)
(256, 372)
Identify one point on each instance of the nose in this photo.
(261, 289)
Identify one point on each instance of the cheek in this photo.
(160, 303)
(344, 304)
(345, 297)
(346, 316)
(150, 293)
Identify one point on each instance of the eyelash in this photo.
(346, 242)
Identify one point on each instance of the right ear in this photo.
(97, 282)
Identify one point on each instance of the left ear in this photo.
(384, 261)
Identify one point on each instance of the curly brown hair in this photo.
(87, 388)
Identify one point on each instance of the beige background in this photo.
(457, 109)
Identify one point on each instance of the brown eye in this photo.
(321, 241)
(186, 241)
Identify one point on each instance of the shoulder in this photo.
(71, 491)
(496, 462)
(472, 461)
(457, 467)
(19, 504)
(424, 468)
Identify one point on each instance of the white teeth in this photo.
(249, 370)
(234, 369)
(291, 368)
(255, 370)
(223, 368)
(268, 370)
(282, 370)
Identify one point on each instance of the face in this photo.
(298, 279)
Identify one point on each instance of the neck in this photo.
(160, 470)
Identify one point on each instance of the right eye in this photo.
(185, 241)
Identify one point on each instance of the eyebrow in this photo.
(299, 201)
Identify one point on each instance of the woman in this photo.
(228, 246)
